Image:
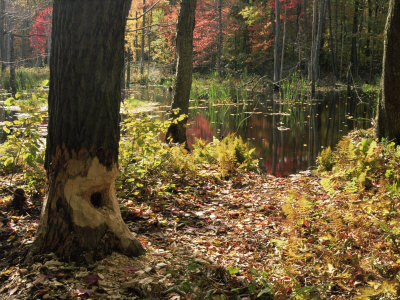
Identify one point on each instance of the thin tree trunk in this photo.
(360, 30)
(149, 42)
(184, 67)
(81, 220)
(307, 64)
(321, 26)
(283, 41)
(311, 72)
(277, 40)
(342, 37)
(336, 32)
(8, 31)
(369, 29)
(13, 79)
(275, 121)
(219, 41)
(143, 39)
(2, 35)
(331, 41)
(48, 32)
(298, 43)
(354, 59)
(373, 42)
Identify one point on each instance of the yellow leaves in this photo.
(387, 288)
(8, 271)
(327, 237)
(331, 269)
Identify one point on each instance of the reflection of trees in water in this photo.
(199, 128)
(312, 125)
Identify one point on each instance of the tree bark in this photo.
(184, 67)
(388, 112)
(81, 220)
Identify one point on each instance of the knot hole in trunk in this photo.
(97, 199)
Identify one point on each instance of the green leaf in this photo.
(253, 272)
(233, 270)
(265, 290)
(45, 82)
(9, 161)
(9, 101)
(6, 129)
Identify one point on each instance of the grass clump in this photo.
(26, 78)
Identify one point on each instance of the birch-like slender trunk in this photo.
(277, 41)
(143, 39)
(283, 41)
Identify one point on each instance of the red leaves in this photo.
(41, 30)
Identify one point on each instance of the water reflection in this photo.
(287, 135)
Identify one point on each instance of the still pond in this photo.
(287, 132)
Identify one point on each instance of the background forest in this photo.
(231, 37)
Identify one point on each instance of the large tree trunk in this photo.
(388, 115)
(184, 68)
(81, 219)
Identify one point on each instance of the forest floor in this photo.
(191, 238)
(251, 236)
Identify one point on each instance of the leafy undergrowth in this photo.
(214, 230)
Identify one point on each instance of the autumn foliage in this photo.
(41, 30)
